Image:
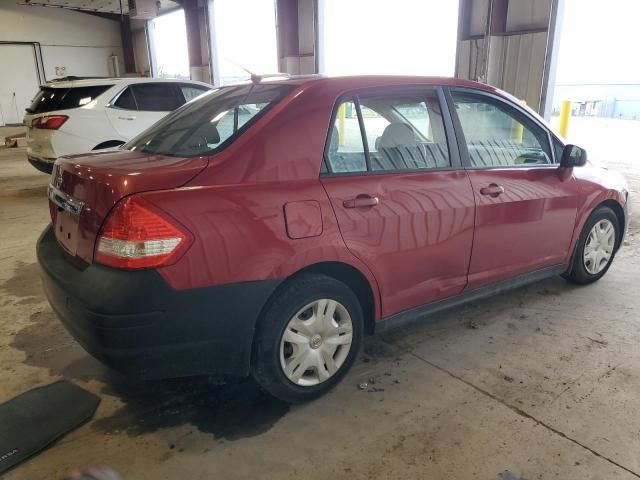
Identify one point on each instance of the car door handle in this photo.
(127, 118)
(493, 190)
(362, 200)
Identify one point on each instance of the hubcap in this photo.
(599, 246)
(316, 342)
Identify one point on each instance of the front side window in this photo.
(190, 92)
(157, 97)
(205, 124)
(498, 135)
(402, 132)
(126, 101)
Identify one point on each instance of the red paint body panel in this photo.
(527, 227)
(241, 234)
(102, 178)
(417, 241)
(303, 219)
(417, 246)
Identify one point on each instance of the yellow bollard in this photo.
(517, 129)
(341, 118)
(565, 115)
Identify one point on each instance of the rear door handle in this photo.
(493, 190)
(362, 200)
(127, 118)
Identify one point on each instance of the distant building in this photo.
(619, 100)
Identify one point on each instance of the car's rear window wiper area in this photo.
(210, 122)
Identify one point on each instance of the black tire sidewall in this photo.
(579, 273)
(266, 368)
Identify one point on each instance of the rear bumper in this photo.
(45, 165)
(133, 322)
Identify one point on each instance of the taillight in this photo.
(137, 234)
(49, 122)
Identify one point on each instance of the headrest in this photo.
(398, 134)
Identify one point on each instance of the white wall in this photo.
(82, 43)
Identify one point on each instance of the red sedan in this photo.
(263, 229)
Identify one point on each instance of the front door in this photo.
(140, 106)
(402, 208)
(526, 205)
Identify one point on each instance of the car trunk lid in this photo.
(84, 189)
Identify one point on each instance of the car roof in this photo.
(74, 82)
(353, 81)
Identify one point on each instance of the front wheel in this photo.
(596, 247)
(308, 338)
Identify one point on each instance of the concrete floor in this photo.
(543, 382)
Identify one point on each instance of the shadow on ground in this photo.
(228, 411)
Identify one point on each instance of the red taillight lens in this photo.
(50, 122)
(138, 235)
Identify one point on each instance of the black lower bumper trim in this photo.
(134, 322)
(42, 165)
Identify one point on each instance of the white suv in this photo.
(79, 115)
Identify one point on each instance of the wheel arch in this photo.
(619, 212)
(345, 273)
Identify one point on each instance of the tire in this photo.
(314, 337)
(582, 270)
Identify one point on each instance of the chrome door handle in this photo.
(127, 118)
(361, 201)
(493, 190)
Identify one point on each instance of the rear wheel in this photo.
(596, 247)
(308, 338)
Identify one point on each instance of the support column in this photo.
(127, 45)
(192, 14)
(287, 28)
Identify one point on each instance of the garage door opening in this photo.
(169, 44)
(600, 79)
(405, 37)
(244, 41)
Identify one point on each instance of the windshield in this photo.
(209, 122)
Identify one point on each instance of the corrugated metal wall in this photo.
(509, 44)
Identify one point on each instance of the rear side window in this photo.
(402, 132)
(49, 99)
(209, 122)
(345, 151)
(157, 97)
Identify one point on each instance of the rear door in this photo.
(404, 206)
(141, 105)
(526, 206)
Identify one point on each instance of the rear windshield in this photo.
(209, 122)
(49, 99)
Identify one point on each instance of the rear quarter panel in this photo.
(240, 234)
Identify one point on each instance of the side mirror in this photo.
(573, 156)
